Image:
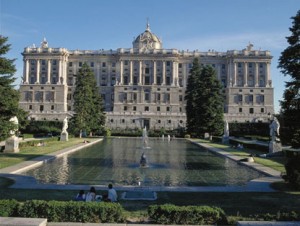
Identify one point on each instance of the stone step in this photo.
(11, 221)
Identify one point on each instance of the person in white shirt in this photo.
(112, 194)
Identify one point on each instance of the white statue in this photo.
(274, 129)
(226, 129)
(15, 121)
(65, 125)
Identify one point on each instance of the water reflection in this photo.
(174, 163)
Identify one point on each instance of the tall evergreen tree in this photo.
(190, 95)
(289, 63)
(209, 103)
(89, 113)
(204, 102)
(9, 101)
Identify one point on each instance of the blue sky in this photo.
(183, 24)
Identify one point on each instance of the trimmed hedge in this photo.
(58, 211)
(192, 215)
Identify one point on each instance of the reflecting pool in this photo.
(169, 163)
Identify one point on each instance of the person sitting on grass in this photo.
(80, 196)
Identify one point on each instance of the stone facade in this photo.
(144, 85)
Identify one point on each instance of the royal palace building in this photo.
(144, 85)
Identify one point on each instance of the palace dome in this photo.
(147, 40)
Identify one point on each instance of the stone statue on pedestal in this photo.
(275, 143)
(225, 138)
(64, 136)
(12, 143)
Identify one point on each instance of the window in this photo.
(147, 96)
(240, 110)
(103, 64)
(250, 98)
(133, 120)
(146, 108)
(134, 108)
(54, 62)
(92, 64)
(240, 98)
(262, 98)
(180, 65)
(80, 64)
(168, 63)
(111, 120)
(123, 121)
(169, 121)
(125, 108)
(41, 107)
(158, 108)
(70, 64)
(262, 110)
(52, 107)
(30, 107)
(147, 70)
(159, 121)
(251, 110)
(180, 98)
(112, 64)
(168, 108)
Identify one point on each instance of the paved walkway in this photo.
(26, 182)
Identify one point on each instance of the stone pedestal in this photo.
(225, 140)
(64, 136)
(274, 146)
(12, 144)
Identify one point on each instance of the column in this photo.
(176, 73)
(245, 74)
(185, 74)
(164, 73)
(121, 72)
(38, 67)
(256, 75)
(131, 73)
(98, 74)
(234, 74)
(154, 72)
(173, 73)
(48, 72)
(267, 75)
(26, 71)
(140, 73)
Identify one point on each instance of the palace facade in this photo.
(144, 85)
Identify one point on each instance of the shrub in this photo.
(292, 168)
(71, 211)
(196, 215)
(8, 208)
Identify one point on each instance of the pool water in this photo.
(169, 163)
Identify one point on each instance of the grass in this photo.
(276, 163)
(30, 152)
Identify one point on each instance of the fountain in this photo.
(143, 161)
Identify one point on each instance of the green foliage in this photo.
(8, 208)
(43, 128)
(187, 215)
(289, 65)
(239, 129)
(9, 101)
(89, 112)
(57, 211)
(204, 107)
(292, 168)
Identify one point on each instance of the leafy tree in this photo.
(289, 62)
(89, 113)
(204, 106)
(9, 101)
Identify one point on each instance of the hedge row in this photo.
(57, 211)
(193, 215)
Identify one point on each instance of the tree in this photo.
(289, 63)
(190, 97)
(210, 106)
(89, 113)
(9, 101)
(204, 107)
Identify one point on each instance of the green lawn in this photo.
(30, 152)
(276, 163)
